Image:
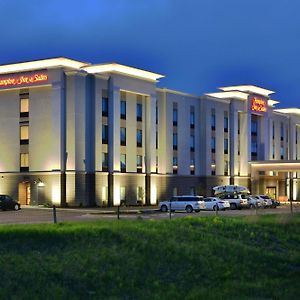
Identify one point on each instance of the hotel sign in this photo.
(259, 105)
(23, 79)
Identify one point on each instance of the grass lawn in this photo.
(190, 258)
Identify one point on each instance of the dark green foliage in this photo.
(190, 258)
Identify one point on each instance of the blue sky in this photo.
(198, 44)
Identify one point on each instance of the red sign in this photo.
(259, 105)
(24, 79)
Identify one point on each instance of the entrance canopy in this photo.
(275, 165)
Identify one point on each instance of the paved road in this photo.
(45, 215)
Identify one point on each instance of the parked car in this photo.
(187, 203)
(6, 203)
(266, 200)
(236, 201)
(214, 203)
(255, 202)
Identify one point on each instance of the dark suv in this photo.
(6, 202)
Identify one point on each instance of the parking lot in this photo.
(29, 215)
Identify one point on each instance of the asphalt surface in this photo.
(30, 215)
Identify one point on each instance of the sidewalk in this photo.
(101, 210)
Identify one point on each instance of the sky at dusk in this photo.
(198, 45)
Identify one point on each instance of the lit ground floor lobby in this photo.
(279, 179)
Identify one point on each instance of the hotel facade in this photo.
(77, 134)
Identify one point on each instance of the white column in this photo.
(245, 143)
(150, 159)
(113, 127)
(58, 125)
(233, 139)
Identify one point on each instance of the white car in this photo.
(236, 201)
(183, 203)
(266, 200)
(214, 203)
(255, 202)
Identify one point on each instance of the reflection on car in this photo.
(183, 203)
(6, 203)
(214, 203)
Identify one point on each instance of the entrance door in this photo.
(271, 191)
(24, 193)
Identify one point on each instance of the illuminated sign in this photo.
(15, 80)
(259, 105)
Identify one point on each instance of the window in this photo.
(281, 152)
(139, 163)
(281, 131)
(140, 194)
(254, 127)
(192, 143)
(175, 116)
(213, 167)
(104, 161)
(226, 167)
(104, 134)
(24, 134)
(273, 130)
(123, 136)
(24, 162)
(213, 119)
(123, 109)
(104, 106)
(139, 112)
(273, 151)
(254, 148)
(156, 113)
(175, 164)
(139, 138)
(175, 141)
(123, 162)
(213, 144)
(123, 194)
(192, 118)
(156, 139)
(225, 121)
(24, 108)
(226, 146)
(192, 191)
(192, 166)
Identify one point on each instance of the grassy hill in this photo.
(190, 258)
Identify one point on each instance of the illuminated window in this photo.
(123, 194)
(123, 162)
(24, 107)
(24, 134)
(192, 166)
(24, 162)
(175, 164)
(104, 161)
(139, 163)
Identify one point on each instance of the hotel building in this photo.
(77, 134)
